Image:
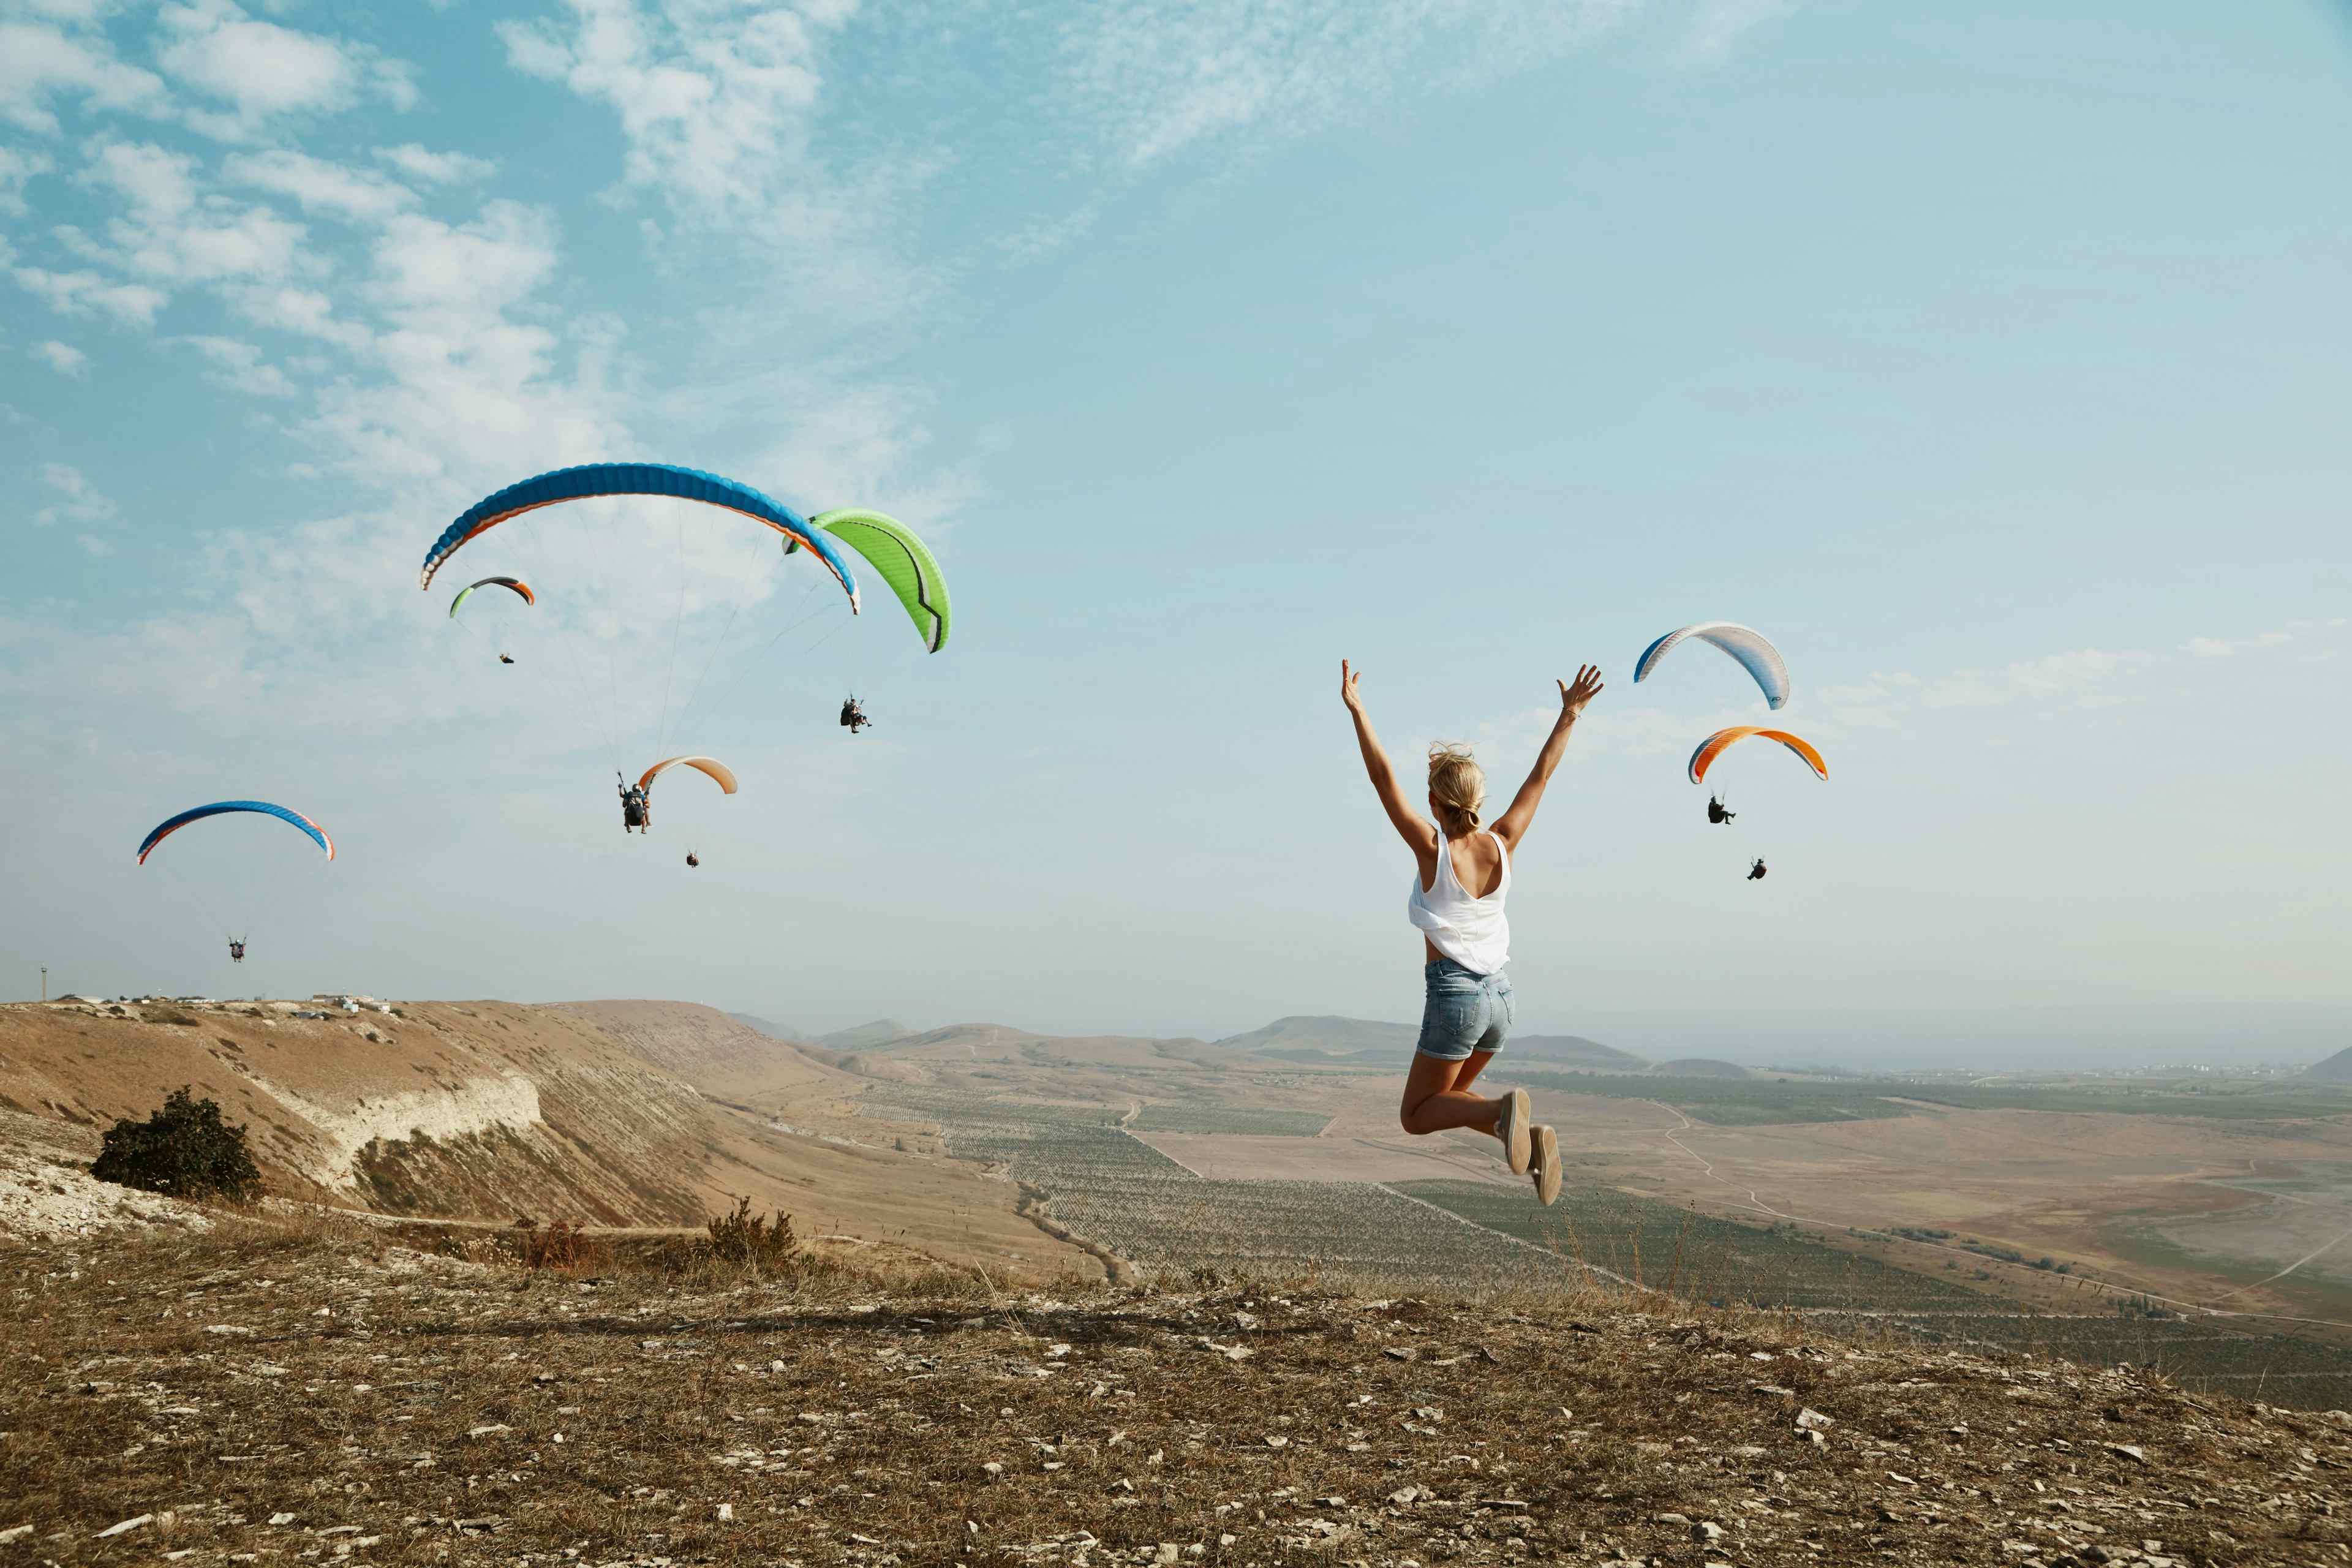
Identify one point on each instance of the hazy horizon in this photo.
(1984, 363)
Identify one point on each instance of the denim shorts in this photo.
(1465, 1013)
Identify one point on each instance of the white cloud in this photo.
(18, 165)
(1717, 27)
(74, 293)
(238, 367)
(159, 185)
(1160, 76)
(80, 501)
(262, 70)
(40, 63)
(710, 102)
(437, 168)
(94, 544)
(319, 185)
(172, 234)
(63, 358)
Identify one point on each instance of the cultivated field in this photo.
(1915, 1221)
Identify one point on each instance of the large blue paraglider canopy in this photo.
(172, 825)
(592, 479)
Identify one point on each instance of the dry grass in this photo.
(416, 1408)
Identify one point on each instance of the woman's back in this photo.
(1470, 927)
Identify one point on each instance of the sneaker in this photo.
(1512, 1128)
(1545, 1163)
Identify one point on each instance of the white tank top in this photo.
(1473, 932)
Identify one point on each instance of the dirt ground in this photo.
(251, 1397)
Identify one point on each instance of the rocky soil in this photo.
(264, 1394)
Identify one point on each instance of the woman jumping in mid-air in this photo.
(1465, 937)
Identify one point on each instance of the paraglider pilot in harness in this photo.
(1756, 872)
(636, 807)
(853, 715)
(236, 952)
(1715, 812)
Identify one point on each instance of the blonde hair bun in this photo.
(1457, 788)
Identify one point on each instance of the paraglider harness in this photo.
(1756, 872)
(506, 659)
(236, 951)
(853, 715)
(1715, 812)
(692, 858)
(636, 806)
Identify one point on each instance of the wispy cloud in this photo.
(1162, 76)
(63, 358)
(239, 367)
(437, 168)
(78, 501)
(1716, 28)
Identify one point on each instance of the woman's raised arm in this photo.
(1514, 824)
(1411, 826)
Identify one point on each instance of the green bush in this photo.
(184, 1150)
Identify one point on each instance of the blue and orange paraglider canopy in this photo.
(172, 825)
(593, 480)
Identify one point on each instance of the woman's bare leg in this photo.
(1436, 1098)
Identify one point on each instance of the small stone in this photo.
(127, 1524)
(726, 1514)
(1680, 1520)
(1401, 1353)
(1227, 1538)
(992, 1468)
(1331, 1503)
(1277, 1442)
(281, 1519)
(1900, 1480)
(1168, 1553)
(1404, 1497)
(2128, 1451)
(1772, 1388)
(1706, 1532)
(490, 1431)
(1811, 1420)
(14, 1532)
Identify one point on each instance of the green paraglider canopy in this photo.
(901, 559)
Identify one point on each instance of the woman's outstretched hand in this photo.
(1572, 699)
(1348, 688)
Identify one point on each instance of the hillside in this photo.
(615, 1113)
(2337, 1068)
(1317, 1037)
(767, 1027)
(1700, 1067)
(470, 1412)
(1305, 1037)
(1574, 1051)
(863, 1037)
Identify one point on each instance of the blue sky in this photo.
(1993, 365)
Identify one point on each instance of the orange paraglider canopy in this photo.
(711, 766)
(1714, 745)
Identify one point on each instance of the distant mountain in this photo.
(1320, 1038)
(1304, 1036)
(767, 1027)
(2337, 1068)
(1575, 1051)
(864, 1037)
(1700, 1067)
